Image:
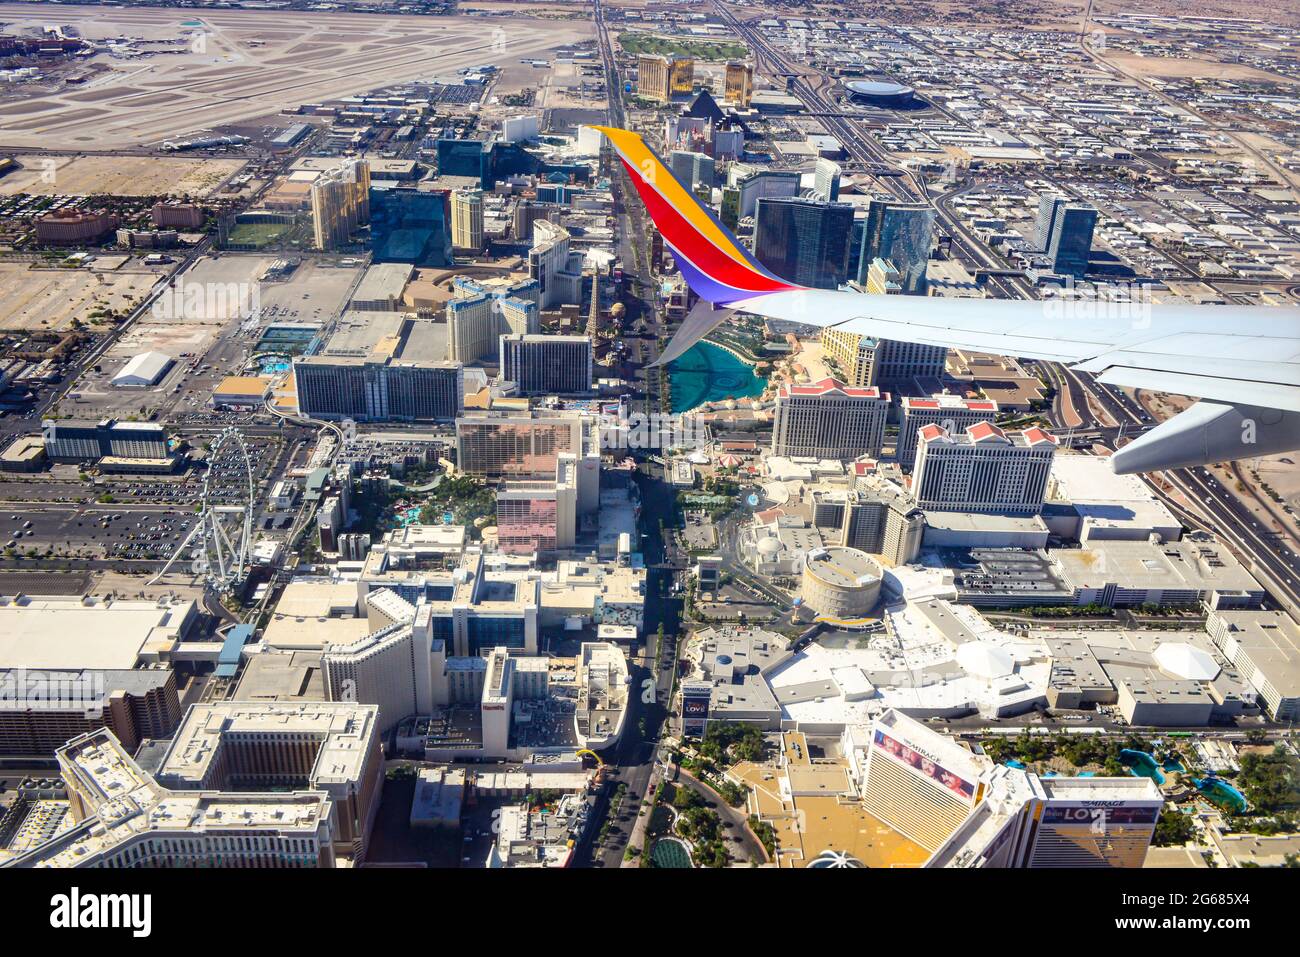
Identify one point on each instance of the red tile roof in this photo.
(982, 431)
(830, 384)
(1036, 436)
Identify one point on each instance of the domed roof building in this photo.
(884, 93)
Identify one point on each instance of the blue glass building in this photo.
(901, 234)
(1065, 233)
(492, 161)
(804, 241)
(410, 225)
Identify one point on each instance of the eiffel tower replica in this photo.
(593, 309)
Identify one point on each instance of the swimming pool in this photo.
(405, 515)
(1142, 765)
(1220, 792)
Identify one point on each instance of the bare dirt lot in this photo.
(1189, 68)
(50, 298)
(229, 66)
(117, 175)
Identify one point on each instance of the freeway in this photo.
(1221, 512)
(811, 88)
(1201, 494)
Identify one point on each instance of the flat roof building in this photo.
(43, 708)
(381, 288)
(840, 583)
(547, 364)
(86, 633)
(83, 440)
(1030, 821)
(245, 392)
(920, 783)
(322, 746)
(25, 453)
(1108, 506)
(241, 785)
(125, 819)
(1264, 646)
(380, 366)
(495, 445)
(1125, 574)
(603, 688)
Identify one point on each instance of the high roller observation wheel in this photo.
(220, 561)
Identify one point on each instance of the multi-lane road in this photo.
(1194, 493)
(1198, 495)
(653, 672)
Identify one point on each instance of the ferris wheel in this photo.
(218, 545)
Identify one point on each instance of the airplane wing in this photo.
(1244, 360)
(1245, 354)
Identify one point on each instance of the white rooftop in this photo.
(984, 660)
(68, 633)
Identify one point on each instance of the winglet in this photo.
(716, 266)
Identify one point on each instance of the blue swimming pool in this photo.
(1219, 792)
(1141, 764)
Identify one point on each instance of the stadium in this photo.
(882, 93)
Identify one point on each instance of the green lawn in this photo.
(257, 234)
(699, 49)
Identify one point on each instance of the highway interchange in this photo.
(1198, 496)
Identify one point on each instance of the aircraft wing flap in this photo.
(1218, 363)
(1004, 327)
(1238, 391)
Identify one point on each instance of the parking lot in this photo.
(141, 518)
(148, 533)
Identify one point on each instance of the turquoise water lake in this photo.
(707, 373)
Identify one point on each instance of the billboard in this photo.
(924, 765)
(1084, 814)
(695, 708)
